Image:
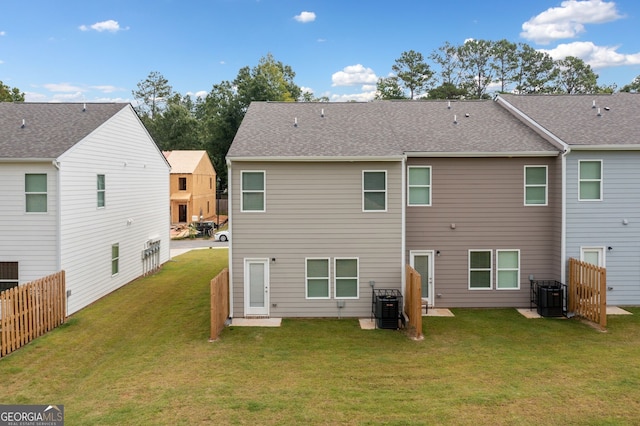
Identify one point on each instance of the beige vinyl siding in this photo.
(314, 210)
(483, 199)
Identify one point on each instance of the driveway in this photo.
(177, 247)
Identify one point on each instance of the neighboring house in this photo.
(193, 186)
(330, 200)
(85, 190)
(601, 134)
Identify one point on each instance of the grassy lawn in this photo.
(141, 356)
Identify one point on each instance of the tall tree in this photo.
(574, 76)
(270, 80)
(446, 56)
(413, 72)
(447, 91)
(10, 94)
(634, 86)
(476, 59)
(505, 62)
(152, 94)
(176, 127)
(389, 88)
(535, 70)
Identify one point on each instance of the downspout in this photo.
(403, 226)
(229, 224)
(58, 198)
(563, 231)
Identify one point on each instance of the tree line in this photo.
(467, 71)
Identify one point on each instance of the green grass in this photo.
(142, 356)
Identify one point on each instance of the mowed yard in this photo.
(141, 356)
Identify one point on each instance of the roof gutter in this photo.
(630, 147)
(318, 159)
(27, 160)
(410, 154)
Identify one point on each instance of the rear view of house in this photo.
(331, 201)
(85, 190)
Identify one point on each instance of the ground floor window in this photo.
(115, 259)
(317, 278)
(346, 278)
(507, 269)
(480, 270)
(8, 275)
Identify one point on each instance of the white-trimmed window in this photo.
(590, 180)
(101, 191)
(8, 275)
(593, 255)
(508, 269)
(419, 182)
(317, 278)
(480, 269)
(35, 189)
(115, 259)
(346, 278)
(535, 185)
(253, 191)
(374, 190)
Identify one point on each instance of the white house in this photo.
(84, 189)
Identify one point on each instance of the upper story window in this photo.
(8, 275)
(182, 183)
(590, 180)
(101, 191)
(374, 190)
(535, 186)
(35, 188)
(419, 180)
(253, 191)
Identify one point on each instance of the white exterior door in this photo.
(256, 287)
(422, 261)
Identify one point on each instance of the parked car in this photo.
(222, 236)
(205, 228)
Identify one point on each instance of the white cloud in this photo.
(34, 97)
(305, 17)
(596, 56)
(354, 75)
(357, 97)
(109, 25)
(199, 94)
(3, 33)
(62, 87)
(107, 89)
(306, 89)
(567, 21)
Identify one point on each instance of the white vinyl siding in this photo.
(346, 278)
(419, 186)
(590, 180)
(480, 269)
(508, 269)
(101, 191)
(374, 190)
(317, 278)
(253, 191)
(35, 188)
(535, 185)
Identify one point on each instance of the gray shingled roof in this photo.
(573, 119)
(50, 128)
(381, 129)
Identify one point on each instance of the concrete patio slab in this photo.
(614, 310)
(529, 313)
(256, 322)
(438, 312)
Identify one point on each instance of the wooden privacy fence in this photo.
(219, 303)
(413, 302)
(588, 291)
(30, 310)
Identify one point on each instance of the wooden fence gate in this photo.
(30, 310)
(588, 291)
(413, 302)
(219, 303)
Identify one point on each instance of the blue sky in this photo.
(98, 50)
